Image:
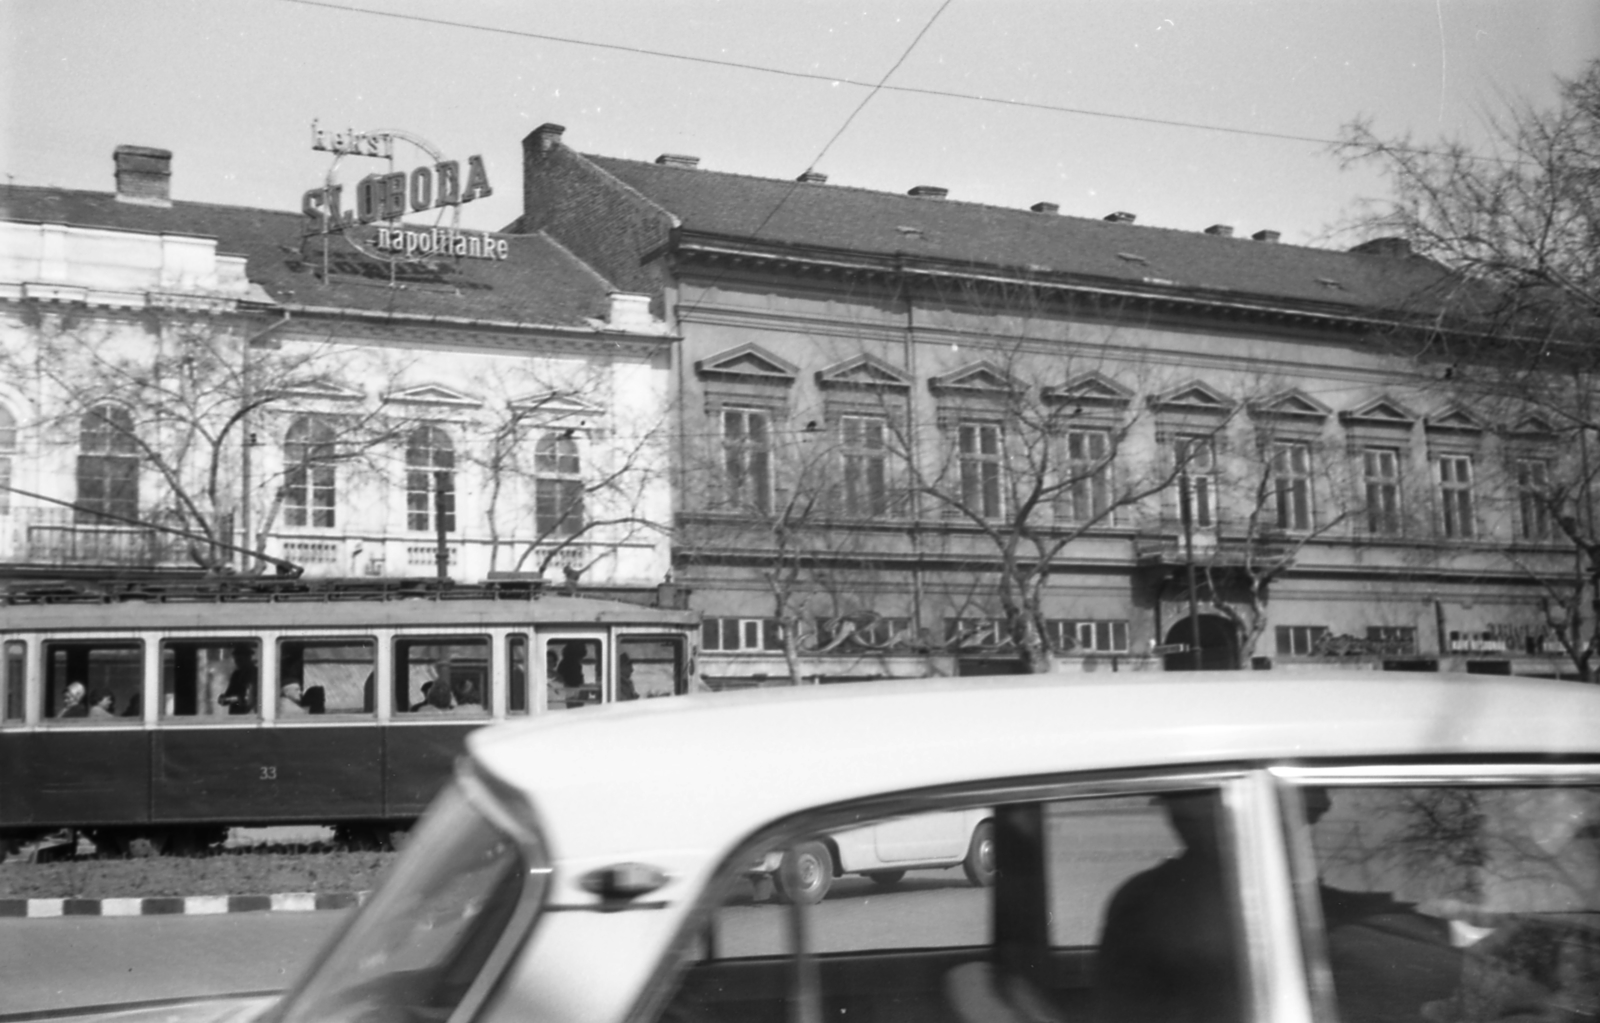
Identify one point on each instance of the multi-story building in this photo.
(917, 432)
(186, 386)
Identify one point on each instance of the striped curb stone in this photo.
(192, 905)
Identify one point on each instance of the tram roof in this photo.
(309, 615)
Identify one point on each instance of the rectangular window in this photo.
(1196, 460)
(863, 443)
(1299, 640)
(517, 674)
(741, 635)
(93, 681)
(1291, 485)
(848, 636)
(211, 678)
(326, 676)
(980, 455)
(1380, 469)
(1089, 637)
(441, 675)
(1533, 499)
(1088, 497)
(308, 495)
(650, 666)
(1393, 640)
(746, 459)
(13, 667)
(1455, 496)
(574, 673)
(969, 633)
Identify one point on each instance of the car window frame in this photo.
(1249, 805)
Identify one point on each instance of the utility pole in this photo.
(441, 507)
(1188, 553)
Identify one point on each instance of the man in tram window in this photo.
(72, 704)
(240, 696)
(290, 703)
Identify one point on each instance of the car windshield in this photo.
(414, 951)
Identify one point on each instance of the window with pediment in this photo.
(747, 393)
(972, 404)
(1379, 434)
(865, 401)
(1091, 412)
(310, 477)
(1191, 419)
(1289, 427)
(430, 480)
(108, 466)
(1455, 441)
(558, 485)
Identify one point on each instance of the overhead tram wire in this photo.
(1021, 104)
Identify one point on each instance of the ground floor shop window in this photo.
(1299, 640)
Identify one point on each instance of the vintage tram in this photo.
(156, 721)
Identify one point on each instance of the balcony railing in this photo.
(100, 545)
(1223, 544)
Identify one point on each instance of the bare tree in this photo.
(1512, 326)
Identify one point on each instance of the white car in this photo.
(1229, 847)
(884, 851)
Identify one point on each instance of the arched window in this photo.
(430, 477)
(309, 480)
(8, 450)
(108, 466)
(558, 486)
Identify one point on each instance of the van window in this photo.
(93, 682)
(211, 678)
(1453, 902)
(1120, 909)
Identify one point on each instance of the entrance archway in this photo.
(1219, 646)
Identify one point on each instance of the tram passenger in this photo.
(102, 704)
(437, 701)
(625, 690)
(290, 701)
(467, 693)
(72, 705)
(240, 696)
(315, 700)
(569, 672)
(135, 707)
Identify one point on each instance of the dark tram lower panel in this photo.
(69, 777)
(260, 775)
(420, 759)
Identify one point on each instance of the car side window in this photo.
(1116, 908)
(1453, 903)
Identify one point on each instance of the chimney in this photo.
(1266, 236)
(1398, 248)
(1045, 207)
(929, 192)
(1121, 217)
(144, 175)
(812, 177)
(544, 138)
(1221, 230)
(678, 160)
(629, 312)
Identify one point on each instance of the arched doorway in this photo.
(1219, 645)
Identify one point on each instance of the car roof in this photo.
(701, 772)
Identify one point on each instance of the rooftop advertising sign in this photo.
(370, 211)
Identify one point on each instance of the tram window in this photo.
(572, 672)
(326, 676)
(517, 677)
(441, 673)
(648, 666)
(11, 675)
(211, 678)
(89, 682)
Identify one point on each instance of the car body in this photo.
(885, 850)
(1356, 846)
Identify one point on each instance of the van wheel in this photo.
(885, 878)
(806, 874)
(979, 864)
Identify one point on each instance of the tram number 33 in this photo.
(269, 773)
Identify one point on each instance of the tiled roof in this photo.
(824, 216)
(538, 283)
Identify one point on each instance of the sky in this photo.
(232, 88)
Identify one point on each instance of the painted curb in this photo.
(192, 905)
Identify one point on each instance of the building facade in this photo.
(916, 434)
(191, 388)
